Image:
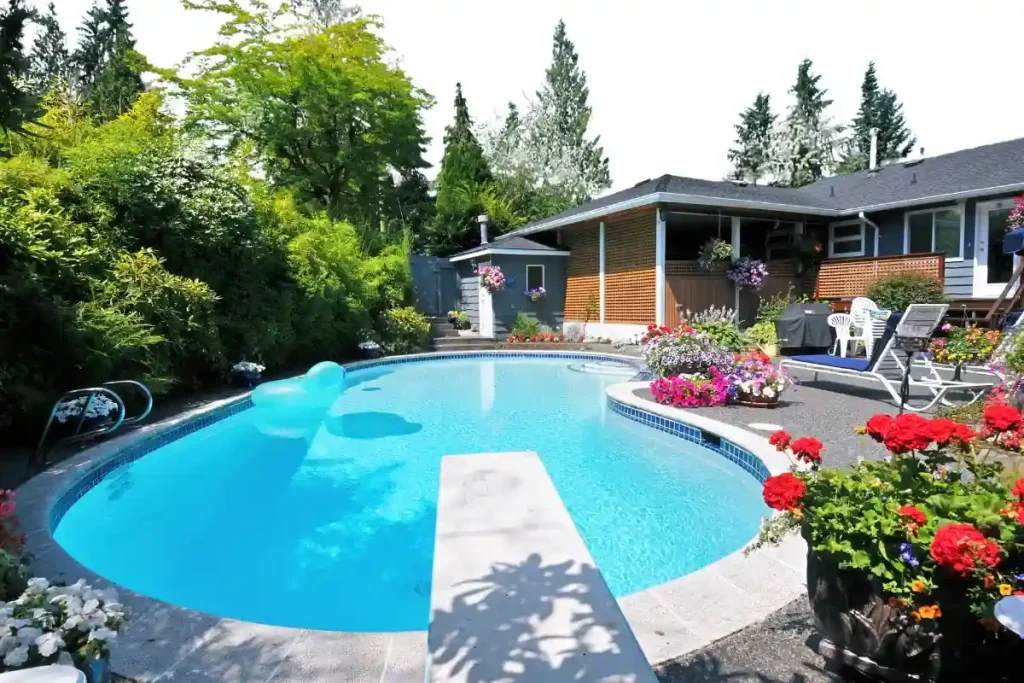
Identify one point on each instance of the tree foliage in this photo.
(750, 156)
(881, 110)
(18, 105)
(803, 144)
(50, 61)
(322, 112)
(576, 164)
(108, 67)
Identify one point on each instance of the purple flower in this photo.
(907, 555)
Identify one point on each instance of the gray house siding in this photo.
(469, 285)
(959, 281)
(512, 300)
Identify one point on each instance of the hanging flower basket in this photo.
(491, 278)
(714, 254)
(748, 273)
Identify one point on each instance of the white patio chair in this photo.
(860, 310)
(842, 323)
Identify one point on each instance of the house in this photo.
(629, 258)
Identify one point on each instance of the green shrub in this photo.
(14, 576)
(762, 334)
(897, 291)
(406, 330)
(725, 334)
(524, 325)
(772, 307)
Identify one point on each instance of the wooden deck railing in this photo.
(844, 278)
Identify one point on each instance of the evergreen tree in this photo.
(108, 66)
(576, 164)
(119, 83)
(753, 140)
(87, 61)
(50, 61)
(463, 183)
(802, 146)
(18, 106)
(879, 109)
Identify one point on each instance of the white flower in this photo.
(16, 657)
(74, 621)
(7, 643)
(768, 392)
(76, 588)
(103, 634)
(37, 585)
(28, 634)
(248, 366)
(49, 643)
(860, 459)
(64, 658)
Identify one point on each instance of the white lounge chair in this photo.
(870, 369)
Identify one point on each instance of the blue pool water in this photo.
(335, 531)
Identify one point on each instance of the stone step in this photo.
(470, 342)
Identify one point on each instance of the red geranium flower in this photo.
(961, 548)
(908, 432)
(1018, 489)
(783, 491)
(780, 439)
(963, 434)
(913, 513)
(1001, 417)
(942, 430)
(1020, 514)
(877, 426)
(808, 449)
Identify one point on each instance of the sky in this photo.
(669, 78)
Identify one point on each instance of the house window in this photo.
(934, 230)
(846, 239)
(534, 277)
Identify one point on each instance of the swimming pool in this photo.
(335, 531)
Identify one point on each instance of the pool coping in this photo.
(166, 641)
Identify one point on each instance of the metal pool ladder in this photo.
(92, 392)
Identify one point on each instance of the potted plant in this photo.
(963, 346)
(747, 273)
(535, 295)
(453, 316)
(462, 323)
(714, 254)
(247, 373)
(72, 625)
(491, 277)
(758, 383)
(684, 351)
(908, 556)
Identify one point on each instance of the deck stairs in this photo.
(447, 338)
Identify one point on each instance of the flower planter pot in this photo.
(757, 401)
(862, 630)
(97, 670)
(247, 378)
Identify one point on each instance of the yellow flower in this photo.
(1005, 589)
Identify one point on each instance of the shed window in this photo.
(928, 231)
(534, 277)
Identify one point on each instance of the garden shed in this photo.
(526, 266)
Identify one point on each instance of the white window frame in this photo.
(543, 276)
(832, 239)
(955, 207)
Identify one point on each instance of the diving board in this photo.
(516, 596)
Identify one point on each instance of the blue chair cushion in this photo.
(859, 364)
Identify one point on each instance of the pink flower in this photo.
(946, 327)
(6, 509)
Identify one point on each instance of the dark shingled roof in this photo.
(999, 167)
(510, 241)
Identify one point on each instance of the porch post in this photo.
(659, 269)
(600, 242)
(735, 256)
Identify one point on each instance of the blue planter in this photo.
(98, 671)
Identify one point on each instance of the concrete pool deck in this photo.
(168, 643)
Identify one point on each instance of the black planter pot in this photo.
(851, 613)
(247, 378)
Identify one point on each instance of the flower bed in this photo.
(909, 556)
(540, 338)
